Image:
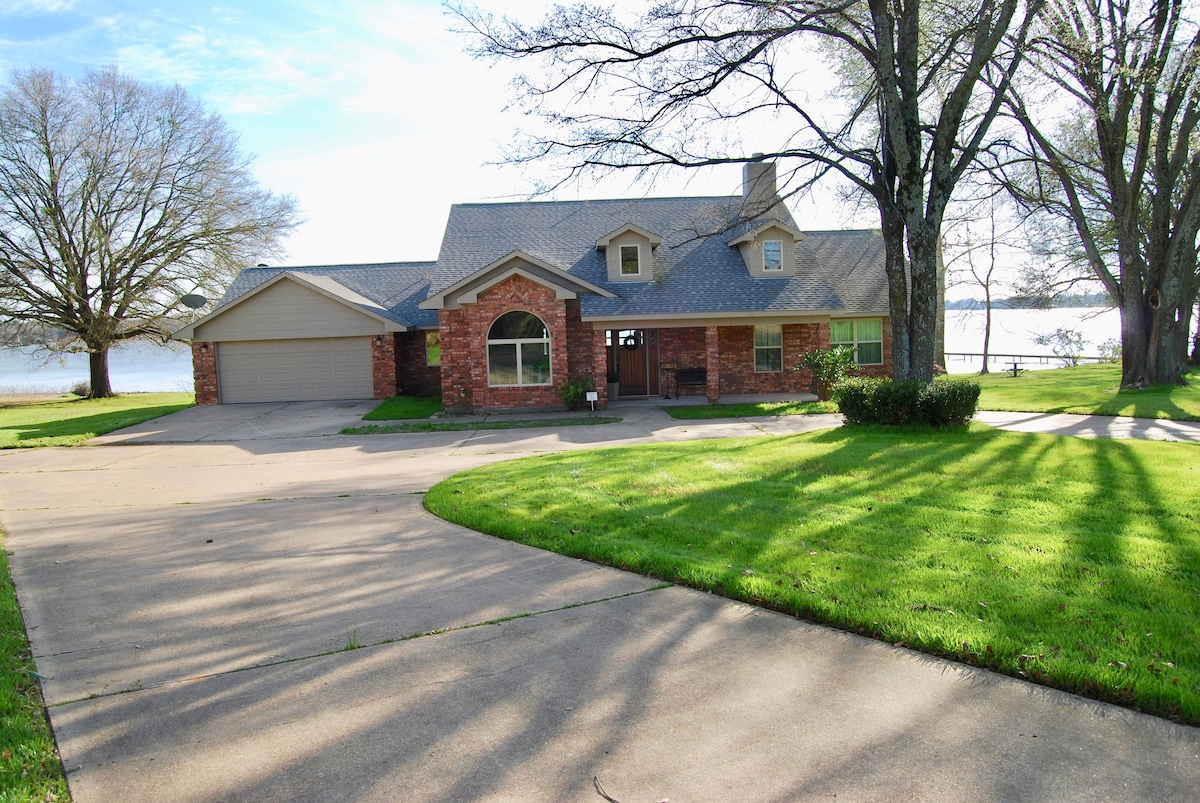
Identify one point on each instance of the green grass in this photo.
(1087, 389)
(30, 769)
(68, 421)
(749, 410)
(467, 426)
(405, 407)
(1074, 563)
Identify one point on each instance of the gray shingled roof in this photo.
(853, 262)
(397, 287)
(695, 270)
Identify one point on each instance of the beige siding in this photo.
(645, 256)
(752, 253)
(287, 310)
(294, 370)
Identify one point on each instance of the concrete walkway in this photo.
(191, 587)
(1094, 426)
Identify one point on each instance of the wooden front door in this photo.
(636, 354)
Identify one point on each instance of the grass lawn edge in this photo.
(30, 766)
(623, 555)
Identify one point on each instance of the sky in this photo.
(369, 112)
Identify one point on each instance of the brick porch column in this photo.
(712, 350)
(204, 371)
(383, 365)
(600, 365)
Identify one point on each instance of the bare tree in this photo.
(1113, 150)
(675, 86)
(973, 244)
(116, 200)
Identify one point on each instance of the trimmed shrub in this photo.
(950, 402)
(864, 400)
(855, 397)
(898, 402)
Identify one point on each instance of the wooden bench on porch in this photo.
(690, 377)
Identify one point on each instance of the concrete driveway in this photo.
(192, 587)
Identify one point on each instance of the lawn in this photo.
(68, 421)
(750, 410)
(29, 766)
(398, 408)
(1088, 389)
(468, 426)
(1074, 563)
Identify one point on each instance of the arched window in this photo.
(518, 349)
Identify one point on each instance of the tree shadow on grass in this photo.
(33, 433)
(962, 544)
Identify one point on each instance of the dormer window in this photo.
(772, 255)
(769, 249)
(631, 263)
(629, 253)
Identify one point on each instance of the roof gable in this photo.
(386, 291)
(518, 263)
(292, 306)
(629, 228)
(753, 233)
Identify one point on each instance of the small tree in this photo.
(975, 245)
(116, 200)
(829, 367)
(1066, 344)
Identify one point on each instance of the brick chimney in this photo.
(758, 186)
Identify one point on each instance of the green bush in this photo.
(949, 402)
(855, 396)
(865, 400)
(573, 392)
(898, 402)
(829, 367)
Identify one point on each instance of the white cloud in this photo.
(13, 7)
(368, 111)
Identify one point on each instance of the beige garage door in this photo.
(294, 370)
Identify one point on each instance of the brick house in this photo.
(716, 296)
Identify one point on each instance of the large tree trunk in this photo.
(1153, 341)
(923, 303)
(98, 373)
(896, 269)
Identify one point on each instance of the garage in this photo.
(311, 369)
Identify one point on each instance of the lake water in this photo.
(1014, 332)
(132, 368)
(147, 367)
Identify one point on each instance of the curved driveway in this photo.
(193, 588)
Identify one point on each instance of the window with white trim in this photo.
(518, 350)
(631, 260)
(865, 336)
(773, 255)
(768, 349)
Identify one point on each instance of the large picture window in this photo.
(518, 350)
(768, 349)
(865, 336)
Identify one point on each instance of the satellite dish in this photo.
(194, 300)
